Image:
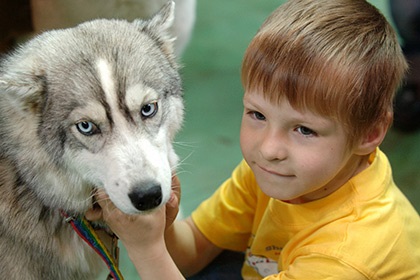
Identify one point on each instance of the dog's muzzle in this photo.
(146, 196)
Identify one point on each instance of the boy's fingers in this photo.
(101, 197)
(176, 188)
(172, 206)
(103, 207)
(94, 214)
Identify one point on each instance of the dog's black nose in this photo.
(146, 196)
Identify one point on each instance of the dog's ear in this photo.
(159, 25)
(23, 88)
(161, 21)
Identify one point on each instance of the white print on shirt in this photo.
(264, 266)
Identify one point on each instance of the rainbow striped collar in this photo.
(84, 229)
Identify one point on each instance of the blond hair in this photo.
(337, 58)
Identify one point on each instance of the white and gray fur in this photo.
(95, 106)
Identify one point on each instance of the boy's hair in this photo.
(337, 58)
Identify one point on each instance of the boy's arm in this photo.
(153, 261)
(189, 248)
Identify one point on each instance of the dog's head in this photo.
(95, 106)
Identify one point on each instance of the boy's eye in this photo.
(258, 115)
(305, 131)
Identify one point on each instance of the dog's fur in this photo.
(95, 106)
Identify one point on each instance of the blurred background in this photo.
(208, 144)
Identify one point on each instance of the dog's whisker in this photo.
(103, 199)
(182, 162)
(179, 170)
(185, 144)
(183, 172)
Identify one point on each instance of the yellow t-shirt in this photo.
(367, 229)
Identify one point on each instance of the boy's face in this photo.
(295, 155)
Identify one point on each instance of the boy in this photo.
(314, 197)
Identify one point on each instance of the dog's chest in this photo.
(38, 240)
(74, 252)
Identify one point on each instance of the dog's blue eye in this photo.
(87, 128)
(149, 110)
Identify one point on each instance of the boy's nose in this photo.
(273, 147)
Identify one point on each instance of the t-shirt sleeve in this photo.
(226, 218)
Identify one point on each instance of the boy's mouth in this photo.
(270, 171)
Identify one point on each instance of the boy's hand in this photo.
(172, 206)
(137, 231)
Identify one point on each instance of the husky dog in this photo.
(95, 106)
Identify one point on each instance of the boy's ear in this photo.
(373, 138)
